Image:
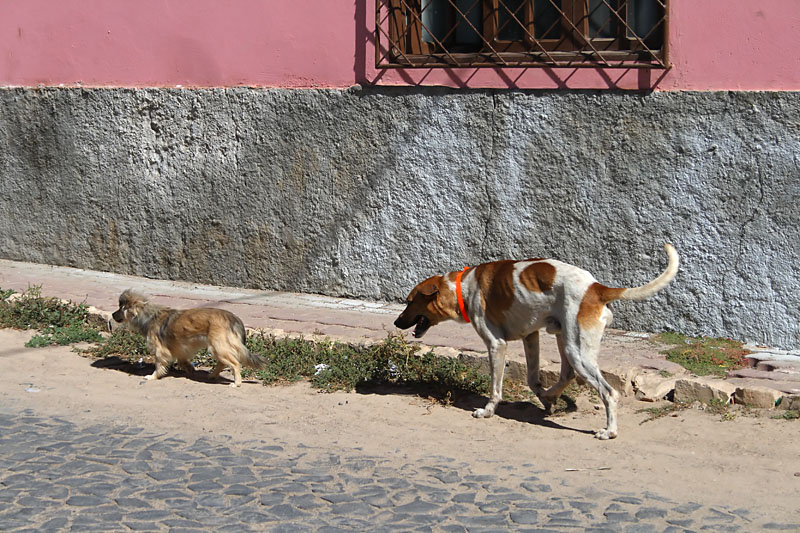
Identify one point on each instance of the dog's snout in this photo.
(118, 316)
(404, 321)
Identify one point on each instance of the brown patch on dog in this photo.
(595, 299)
(496, 282)
(538, 277)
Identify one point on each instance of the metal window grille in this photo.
(521, 33)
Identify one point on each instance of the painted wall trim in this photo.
(714, 45)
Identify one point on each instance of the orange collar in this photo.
(459, 295)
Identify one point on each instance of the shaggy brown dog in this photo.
(176, 335)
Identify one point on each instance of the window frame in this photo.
(400, 22)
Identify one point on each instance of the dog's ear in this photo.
(429, 288)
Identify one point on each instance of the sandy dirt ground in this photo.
(752, 461)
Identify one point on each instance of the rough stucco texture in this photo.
(365, 192)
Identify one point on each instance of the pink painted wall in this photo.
(714, 45)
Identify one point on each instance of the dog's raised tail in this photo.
(649, 289)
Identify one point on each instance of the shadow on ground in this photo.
(522, 411)
(145, 369)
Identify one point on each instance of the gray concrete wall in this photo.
(364, 192)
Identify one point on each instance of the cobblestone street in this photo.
(57, 475)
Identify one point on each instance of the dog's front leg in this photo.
(163, 359)
(497, 365)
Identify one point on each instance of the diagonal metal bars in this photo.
(521, 33)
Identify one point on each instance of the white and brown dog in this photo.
(510, 300)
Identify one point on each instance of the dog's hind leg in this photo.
(531, 344)
(497, 364)
(187, 366)
(226, 353)
(551, 395)
(237, 373)
(217, 369)
(581, 351)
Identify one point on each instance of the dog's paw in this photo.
(605, 434)
(548, 404)
(234, 386)
(150, 377)
(482, 413)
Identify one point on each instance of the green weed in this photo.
(657, 412)
(703, 356)
(5, 293)
(789, 414)
(331, 366)
(122, 343)
(64, 335)
(31, 310)
(58, 322)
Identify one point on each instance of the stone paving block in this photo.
(176, 524)
(149, 515)
(687, 508)
(648, 513)
(55, 524)
(652, 387)
(134, 503)
(760, 397)
(493, 507)
(288, 512)
(85, 501)
(352, 509)
(781, 526)
(790, 402)
(464, 497)
(619, 516)
(703, 389)
(524, 517)
(621, 378)
(583, 507)
(767, 372)
(238, 490)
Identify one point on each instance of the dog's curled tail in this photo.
(648, 290)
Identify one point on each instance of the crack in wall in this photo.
(729, 295)
(742, 234)
(489, 171)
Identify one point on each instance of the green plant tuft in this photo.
(657, 412)
(331, 366)
(789, 414)
(5, 293)
(122, 343)
(703, 356)
(31, 310)
(64, 335)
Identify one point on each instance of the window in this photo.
(521, 33)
